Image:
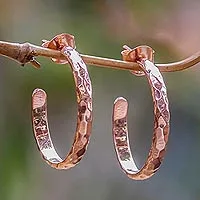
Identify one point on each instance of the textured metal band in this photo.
(160, 130)
(84, 119)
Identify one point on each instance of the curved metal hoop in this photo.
(161, 121)
(84, 119)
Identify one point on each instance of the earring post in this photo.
(25, 52)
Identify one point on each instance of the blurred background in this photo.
(100, 28)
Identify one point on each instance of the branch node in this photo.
(26, 55)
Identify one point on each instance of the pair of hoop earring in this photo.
(143, 55)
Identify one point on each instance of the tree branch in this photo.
(24, 53)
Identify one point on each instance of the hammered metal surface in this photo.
(160, 130)
(84, 119)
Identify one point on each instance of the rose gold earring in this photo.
(143, 55)
(65, 43)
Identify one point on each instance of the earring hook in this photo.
(141, 55)
(65, 44)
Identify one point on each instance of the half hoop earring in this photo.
(143, 55)
(65, 43)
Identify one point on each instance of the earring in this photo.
(65, 43)
(143, 55)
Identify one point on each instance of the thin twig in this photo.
(24, 53)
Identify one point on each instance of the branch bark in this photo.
(26, 52)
